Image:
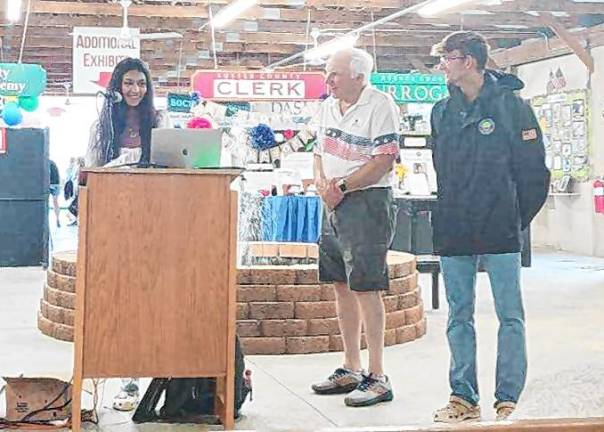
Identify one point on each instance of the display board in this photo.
(564, 120)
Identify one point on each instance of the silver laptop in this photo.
(186, 148)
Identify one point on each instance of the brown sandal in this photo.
(457, 410)
(504, 409)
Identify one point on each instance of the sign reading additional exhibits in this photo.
(22, 79)
(250, 86)
(411, 88)
(96, 51)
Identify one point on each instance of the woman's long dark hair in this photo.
(112, 120)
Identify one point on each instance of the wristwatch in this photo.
(342, 185)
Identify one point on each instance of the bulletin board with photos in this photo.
(564, 120)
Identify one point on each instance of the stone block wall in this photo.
(280, 309)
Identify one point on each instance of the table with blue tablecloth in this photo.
(291, 218)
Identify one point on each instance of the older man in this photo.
(358, 143)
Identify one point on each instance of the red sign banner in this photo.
(3, 144)
(250, 86)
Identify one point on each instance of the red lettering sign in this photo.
(249, 86)
(3, 145)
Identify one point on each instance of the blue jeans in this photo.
(459, 273)
(129, 385)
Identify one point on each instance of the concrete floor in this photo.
(564, 300)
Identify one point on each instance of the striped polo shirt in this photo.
(368, 128)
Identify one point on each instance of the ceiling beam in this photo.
(77, 8)
(492, 64)
(539, 49)
(418, 64)
(377, 4)
(567, 6)
(572, 41)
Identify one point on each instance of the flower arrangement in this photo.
(199, 123)
(262, 137)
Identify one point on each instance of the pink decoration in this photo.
(55, 111)
(199, 123)
(288, 134)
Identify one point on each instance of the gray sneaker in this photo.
(370, 391)
(341, 381)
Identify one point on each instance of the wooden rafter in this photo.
(418, 64)
(573, 42)
(276, 29)
(567, 6)
(539, 49)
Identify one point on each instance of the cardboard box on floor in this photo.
(44, 398)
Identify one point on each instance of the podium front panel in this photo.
(157, 261)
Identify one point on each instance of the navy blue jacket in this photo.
(490, 164)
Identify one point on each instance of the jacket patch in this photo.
(486, 126)
(529, 134)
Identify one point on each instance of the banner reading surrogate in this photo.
(96, 51)
(250, 86)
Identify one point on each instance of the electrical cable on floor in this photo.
(89, 416)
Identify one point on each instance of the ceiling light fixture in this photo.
(231, 12)
(437, 7)
(13, 10)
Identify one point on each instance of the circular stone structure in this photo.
(281, 309)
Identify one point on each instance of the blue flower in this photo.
(262, 137)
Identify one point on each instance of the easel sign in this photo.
(3, 143)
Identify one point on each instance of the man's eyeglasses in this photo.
(447, 60)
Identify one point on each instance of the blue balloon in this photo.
(12, 114)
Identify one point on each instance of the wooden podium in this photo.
(156, 270)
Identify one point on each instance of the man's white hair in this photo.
(361, 63)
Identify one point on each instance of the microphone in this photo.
(112, 96)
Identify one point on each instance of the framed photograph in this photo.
(567, 134)
(557, 112)
(579, 161)
(547, 113)
(566, 165)
(421, 177)
(578, 109)
(578, 129)
(566, 150)
(566, 114)
(578, 145)
(563, 185)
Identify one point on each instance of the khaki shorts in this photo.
(355, 238)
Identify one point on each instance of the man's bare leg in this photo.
(349, 318)
(374, 318)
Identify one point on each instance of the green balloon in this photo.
(29, 103)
